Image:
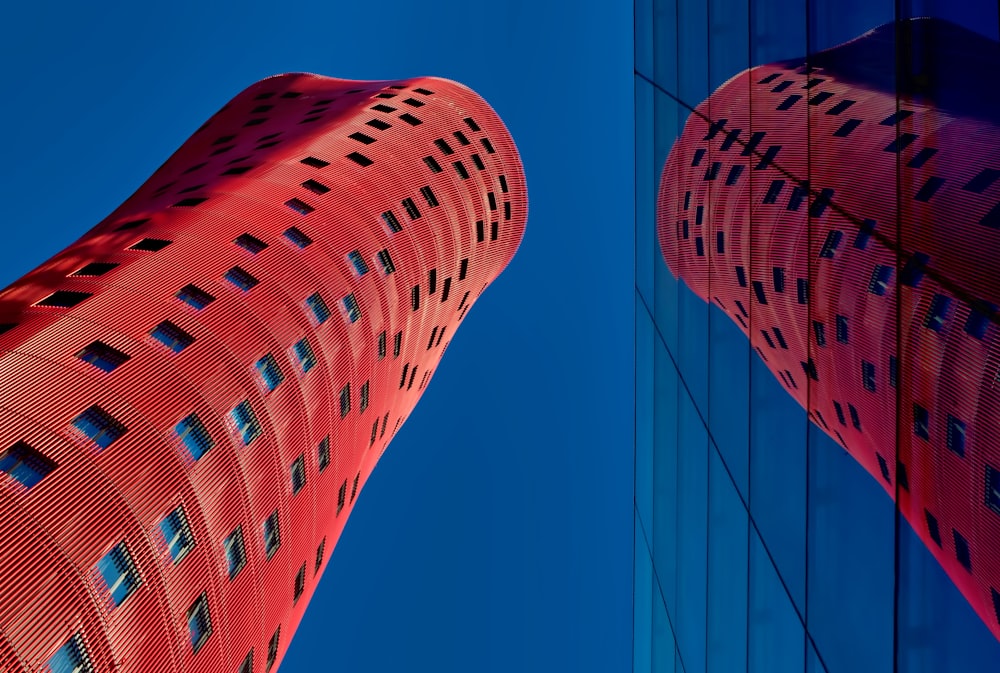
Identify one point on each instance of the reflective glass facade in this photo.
(762, 543)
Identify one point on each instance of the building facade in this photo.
(818, 496)
(198, 388)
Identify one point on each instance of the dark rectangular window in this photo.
(865, 231)
(245, 422)
(342, 496)
(847, 127)
(304, 354)
(25, 465)
(480, 232)
(868, 375)
(460, 137)
(463, 268)
(358, 262)
(300, 584)
(269, 371)
(478, 162)
(842, 328)
(378, 124)
(896, 117)
(314, 162)
(789, 102)
(172, 336)
(315, 187)
(361, 138)
(494, 230)
(768, 157)
(411, 208)
(492, 199)
(432, 281)
(360, 159)
(720, 242)
(383, 108)
(503, 183)
(929, 188)
(893, 370)
(392, 221)
(191, 202)
(103, 356)
(402, 379)
(443, 145)
(363, 403)
(95, 269)
(840, 413)
(780, 337)
(932, 527)
(460, 169)
(323, 453)
(921, 420)
(840, 107)
(883, 468)
(318, 308)
(177, 534)
(272, 534)
(298, 473)
(992, 488)
(131, 224)
(802, 289)
(99, 426)
(831, 243)
(446, 289)
(820, 203)
(415, 297)
(250, 243)
(770, 78)
(386, 261)
(855, 418)
(937, 313)
(381, 345)
(433, 164)
(429, 197)
(240, 278)
(820, 331)
(698, 156)
(470, 122)
(799, 194)
(487, 145)
(118, 574)
(767, 338)
(921, 157)
(782, 86)
(900, 143)
(956, 435)
(193, 436)
(741, 277)
(731, 138)
(410, 119)
(879, 283)
(299, 206)
(272, 650)
(778, 275)
(980, 315)
(758, 290)
(820, 98)
(239, 170)
(962, 550)
(352, 308)
(734, 174)
(713, 170)
(773, 191)
(742, 309)
(150, 244)
(297, 237)
(397, 344)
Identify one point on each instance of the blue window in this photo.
(855, 418)
(392, 221)
(103, 356)
(323, 453)
(962, 550)
(774, 191)
(932, 527)
(25, 465)
(778, 275)
(864, 233)
(236, 555)
(250, 243)
(172, 336)
(937, 313)
(820, 331)
(921, 421)
(741, 277)
(883, 467)
(295, 235)
(840, 413)
(99, 426)
(318, 308)
(199, 622)
(914, 269)
(978, 322)
(758, 290)
(299, 206)
(177, 535)
(358, 261)
(956, 435)
(993, 488)
(879, 283)
(386, 261)
(272, 534)
(831, 244)
(72, 657)
(353, 310)
(842, 328)
(240, 278)
(246, 422)
(195, 296)
(194, 437)
(298, 474)
(269, 371)
(304, 353)
(345, 398)
(802, 288)
(780, 337)
(118, 573)
(868, 375)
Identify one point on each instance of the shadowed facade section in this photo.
(196, 391)
(844, 211)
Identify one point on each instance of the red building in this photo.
(846, 215)
(197, 389)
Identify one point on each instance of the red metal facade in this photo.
(362, 217)
(853, 236)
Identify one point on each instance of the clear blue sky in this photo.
(496, 533)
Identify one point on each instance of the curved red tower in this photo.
(845, 213)
(197, 389)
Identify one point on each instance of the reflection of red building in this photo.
(819, 212)
(197, 389)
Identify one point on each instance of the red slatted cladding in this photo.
(310, 252)
(818, 214)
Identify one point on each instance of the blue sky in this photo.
(496, 533)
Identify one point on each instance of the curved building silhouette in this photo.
(195, 391)
(844, 211)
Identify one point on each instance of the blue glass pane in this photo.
(246, 422)
(120, 577)
(269, 371)
(71, 658)
(177, 534)
(303, 351)
(25, 464)
(318, 307)
(235, 553)
(194, 436)
(99, 426)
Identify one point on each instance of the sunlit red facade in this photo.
(196, 391)
(851, 228)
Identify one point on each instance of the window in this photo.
(300, 583)
(397, 344)
(463, 269)
(802, 288)
(345, 400)
(151, 244)
(855, 418)
(429, 197)
(314, 162)
(358, 261)
(360, 159)
(318, 308)
(298, 474)
(962, 550)
(341, 496)
(921, 157)
(460, 169)
(361, 138)
(297, 237)
(879, 282)
(199, 622)
(913, 270)
(99, 426)
(847, 127)
(768, 157)
(778, 275)
(410, 119)
(177, 535)
(304, 354)
(319, 554)
(95, 269)
(433, 164)
(713, 170)
(245, 422)
(937, 313)
(354, 488)
(381, 345)
(480, 235)
(774, 191)
(323, 453)
(25, 465)
(921, 420)
(932, 527)
(272, 534)
(478, 162)
(840, 413)
(767, 338)
(247, 665)
(131, 224)
(194, 296)
(830, 245)
(868, 375)
(250, 243)
(789, 102)
(980, 315)
(299, 206)
(956, 435)
(240, 278)
(893, 370)
(900, 143)
(758, 290)
(415, 297)
(820, 330)
(193, 436)
(378, 124)
(799, 194)
(842, 328)
(236, 555)
(63, 299)
(386, 261)
(883, 467)
(864, 233)
(982, 181)
(72, 657)
(172, 336)
(470, 122)
(118, 573)
(411, 208)
(780, 337)
(269, 371)
(392, 221)
(272, 649)
(443, 145)
(993, 488)
(487, 145)
(741, 276)
(929, 188)
(352, 308)
(820, 98)
(102, 356)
